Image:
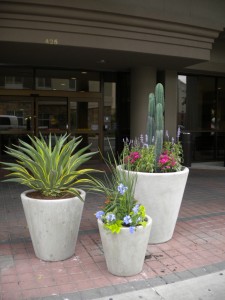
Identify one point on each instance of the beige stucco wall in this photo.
(177, 28)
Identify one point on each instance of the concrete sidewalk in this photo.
(207, 287)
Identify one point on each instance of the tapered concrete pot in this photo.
(161, 194)
(125, 252)
(53, 225)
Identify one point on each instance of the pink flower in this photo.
(134, 156)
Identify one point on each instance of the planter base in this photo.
(53, 225)
(161, 194)
(125, 251)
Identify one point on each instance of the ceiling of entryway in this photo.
(84, 58)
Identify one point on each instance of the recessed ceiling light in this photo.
(84, 72)
(101, 61)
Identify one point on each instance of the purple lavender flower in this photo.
(178, 133)
(146, 139)
(167, 135)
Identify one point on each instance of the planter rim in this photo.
(183, 171)
(24, 194)
(127, 228)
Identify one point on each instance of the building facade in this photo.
(87, 67)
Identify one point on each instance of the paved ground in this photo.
(197, 248)
(207, 287)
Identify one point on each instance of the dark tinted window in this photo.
(4, 121)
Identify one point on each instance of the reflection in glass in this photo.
(109, 116)
(201, 111)
(52, 115)
(84, 121)
(84, 115)
(16, 78)
(16, 120)
(15, 114)
(58, 80)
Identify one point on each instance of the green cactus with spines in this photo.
(155, 123)
(151, 118)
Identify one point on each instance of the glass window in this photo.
(16, 120)
(52, 115)
(80, 81)
(201, 111)
(109, 116)
(15, 78)
(84, 115)
(16, 113)
(220, 121)
(84, 121)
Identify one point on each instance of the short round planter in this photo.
(125, 252)
(53, 225)
(161, 194)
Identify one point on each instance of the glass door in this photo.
(84, 120)
(51, 115)
(16, 120)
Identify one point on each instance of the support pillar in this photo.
(143, 81)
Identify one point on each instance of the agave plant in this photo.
(50, 170)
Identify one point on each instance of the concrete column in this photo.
(143, 81)
(171, 102)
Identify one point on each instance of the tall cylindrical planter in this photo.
(125, 252)
(53, 225)
(161, 194)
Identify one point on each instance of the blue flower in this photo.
(110, 217)
(127, 220)
(132, 229)
(99, 214)
(136, 208)
(122, 188)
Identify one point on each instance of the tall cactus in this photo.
(151, 119)
(155, 122)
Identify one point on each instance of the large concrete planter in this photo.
(53, 225)
(125, 252)
(161, 194)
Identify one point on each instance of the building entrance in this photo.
(78, 114)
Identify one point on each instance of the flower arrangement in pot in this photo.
(161, 178)
(123, 223)
(53, 204)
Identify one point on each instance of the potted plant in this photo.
(123, 224)
(53, 205)
(161, 178)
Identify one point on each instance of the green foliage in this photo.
(141, 158)
(151, 118)
(159, 98)
(153, 154)
(155, 121)
(121, 208)
(51, 170)
(176, 152)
